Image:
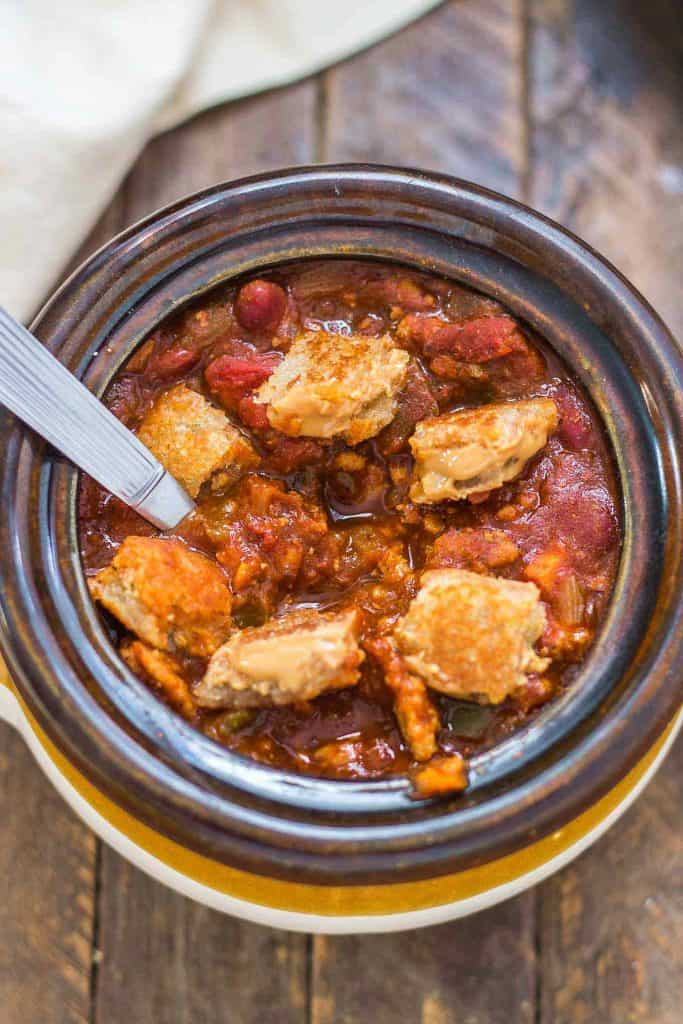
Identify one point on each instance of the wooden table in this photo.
(574, 106)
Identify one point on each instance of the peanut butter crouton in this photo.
(172, 597)
(195, 441)
(292, 659)
(471, 636)
(475, 450)
(335, 384)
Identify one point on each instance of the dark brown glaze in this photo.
(226, 346)
(113, 729)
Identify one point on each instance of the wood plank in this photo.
(48, 863)
(611, 928)
(47, 889)
(162, 957)
(478, 971)
(607, 159)
(443, 94)
(606, 95)
(259, 134)
(446, 93)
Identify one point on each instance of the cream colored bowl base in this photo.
(330, 910)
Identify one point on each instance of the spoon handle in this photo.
(38, 389)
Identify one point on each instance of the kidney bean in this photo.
(260, 305)
(172, 363)
(575, 430)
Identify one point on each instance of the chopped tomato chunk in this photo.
(231, 378)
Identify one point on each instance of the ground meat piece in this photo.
(475, 341)
(440, 776)
(464, 376)
(515, 373)
(172, 597)
(163, 672)
(415, 712)
(471, 636)
(260, 305)
(269, 540)
(295, 658)
(194, 441)
(286, 454)
(332, 384)
(399, 293)
(204, 326)
(474, 450)
(478, 549)
(552, 571)
(416, 402)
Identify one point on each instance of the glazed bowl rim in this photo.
(398, 178)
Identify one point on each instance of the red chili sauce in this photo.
(325, 524)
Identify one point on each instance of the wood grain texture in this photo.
(606, 91)
(165, 959)
(259, 134)
(48, 863)
(602, 943)
(47, 887)
(477, 971)
(605, 102)
(444, 94)
(611, 927)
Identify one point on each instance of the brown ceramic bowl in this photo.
(103, 727)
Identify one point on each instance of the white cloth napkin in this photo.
(84, 84)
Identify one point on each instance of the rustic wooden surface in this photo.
(574, 106)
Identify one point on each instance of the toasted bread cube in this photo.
(172, 597)
(471, 636)
(195, 441)
(335, 384)
(291, 659)
(479, 449)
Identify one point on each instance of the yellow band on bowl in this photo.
(350, 900)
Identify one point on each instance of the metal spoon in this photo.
(46, 396)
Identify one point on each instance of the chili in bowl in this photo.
(420, 642)
(406, 531)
